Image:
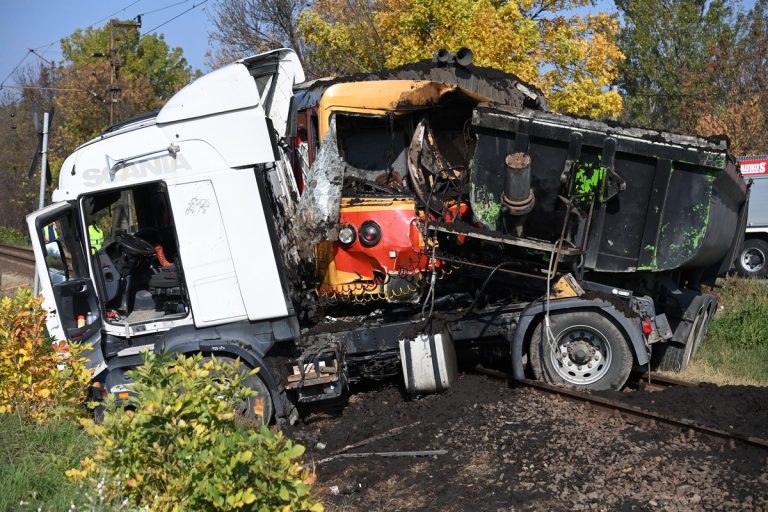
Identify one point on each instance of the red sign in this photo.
(752, 167)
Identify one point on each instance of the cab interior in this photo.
(135, 254)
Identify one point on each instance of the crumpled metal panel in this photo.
(318, 215)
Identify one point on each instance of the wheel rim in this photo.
(753, 260)
(581, 355)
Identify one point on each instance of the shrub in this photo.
(178, 445)
(743, 323)
(35, 380)
(13, 236)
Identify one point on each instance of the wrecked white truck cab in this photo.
(372, 226)
(182, 179)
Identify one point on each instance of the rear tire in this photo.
(674, 357)
(586, 350)
(752, 260)
(259, 408)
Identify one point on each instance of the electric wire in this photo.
(36, 54)
(547, 326)
(164, 8)
(15, 68)
(175, 17)
(46, 46)
(116, 12)
(34, 87)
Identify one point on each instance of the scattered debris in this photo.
(419, 453)
(388, 433)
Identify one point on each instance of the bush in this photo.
(179, 445)
(743, 323)
(37, 381)
(13, 236)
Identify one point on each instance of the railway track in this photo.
(18, 255)
(655, 383)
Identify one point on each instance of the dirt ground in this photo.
(516, 449)
(13, 277)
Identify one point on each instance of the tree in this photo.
(146, 70)
(664, 41)
(343, 36)
(733, 86)
(147, 56)
(19, 179)
(573, 58)
(244, 27)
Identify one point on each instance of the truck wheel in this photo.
(585, 350)
(257, 408)
(753, 258)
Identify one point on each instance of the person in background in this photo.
(50, 233)
(96, 237)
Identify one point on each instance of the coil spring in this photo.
(362, 292)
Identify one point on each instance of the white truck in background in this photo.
(752, 259)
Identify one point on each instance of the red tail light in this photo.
(647, 327)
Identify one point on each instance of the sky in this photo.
(26, 24)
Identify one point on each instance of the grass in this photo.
(735, 352)
(33, 459)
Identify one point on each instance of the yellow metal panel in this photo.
(378, 97)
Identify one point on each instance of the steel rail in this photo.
(657, 382)
(632, 410)
(23, 255)
(614, 405)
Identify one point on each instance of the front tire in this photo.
(259, 408)
(753, 258)
(585, 350)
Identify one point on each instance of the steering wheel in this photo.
(135, 246)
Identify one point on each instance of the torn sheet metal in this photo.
(318, 215)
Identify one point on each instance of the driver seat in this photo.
(165, 287)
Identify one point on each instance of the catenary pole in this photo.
(41, 201)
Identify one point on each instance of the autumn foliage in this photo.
(178, 445)
(573, 58)
(37, 382)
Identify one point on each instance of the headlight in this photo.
(370, 233)
(347, 235)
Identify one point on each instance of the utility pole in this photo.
(41, 201)
(115, 63)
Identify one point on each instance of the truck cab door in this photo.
(68, 292)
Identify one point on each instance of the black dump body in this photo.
(661, 201)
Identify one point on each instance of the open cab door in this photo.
(65, 284)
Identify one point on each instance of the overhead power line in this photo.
(164, 8)
(47, 61)
(177, 16)
(44, 47)
(37, 51)
(15, 68)
(114, 13)
(59, 89)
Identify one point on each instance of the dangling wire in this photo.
(431, 293)
(547, 326)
